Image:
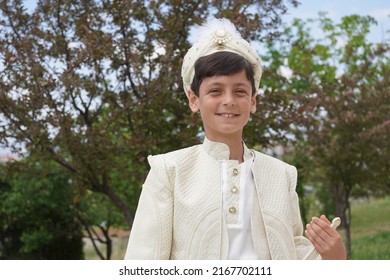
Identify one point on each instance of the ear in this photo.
(193, 101)
(253, 104)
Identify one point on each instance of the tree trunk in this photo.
(94, 237)
(102, 188)
(108, 242)
(342, 210)
(119, 203)
(347, 223)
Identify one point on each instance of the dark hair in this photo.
(221, 63)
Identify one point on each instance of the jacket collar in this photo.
(221, 151)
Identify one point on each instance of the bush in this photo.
(37, 216)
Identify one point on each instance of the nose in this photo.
(228, 99)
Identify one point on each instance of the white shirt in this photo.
(237, 205)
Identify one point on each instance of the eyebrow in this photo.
(222, 84)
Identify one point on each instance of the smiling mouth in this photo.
(228, 115)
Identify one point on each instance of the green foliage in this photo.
(38, 218)
(371, 229)
(338, 92)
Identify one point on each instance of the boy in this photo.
(219, 199)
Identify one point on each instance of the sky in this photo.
(336, 9)
(379, 9)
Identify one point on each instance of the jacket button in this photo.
(234, 189)
(232, 210)
(235, 171)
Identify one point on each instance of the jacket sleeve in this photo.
(304, 248)
(151, 233)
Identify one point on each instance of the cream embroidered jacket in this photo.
(180, 215)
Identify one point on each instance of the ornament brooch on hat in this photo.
(220, 31)
(213, 36)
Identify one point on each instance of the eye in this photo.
(215, 91)
(241, 92)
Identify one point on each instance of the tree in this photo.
(339, 84)
(98, 216)
(37, 213)
(95, 85)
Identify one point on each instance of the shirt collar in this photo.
(221, 151)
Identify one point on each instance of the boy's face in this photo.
(225, 104)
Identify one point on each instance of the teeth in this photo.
(228, 115)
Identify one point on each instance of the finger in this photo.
(324, 224)
(325, 219)
(325, 232)
(320, 235)
(322, 220)
(313, 238)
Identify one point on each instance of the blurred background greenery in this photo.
(89, 89)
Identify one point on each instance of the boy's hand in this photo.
(326, 240)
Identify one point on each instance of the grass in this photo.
(370, 230)
(372, 247)
(370, 216)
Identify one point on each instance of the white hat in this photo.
(218, 35)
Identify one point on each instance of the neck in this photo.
(234, 144)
